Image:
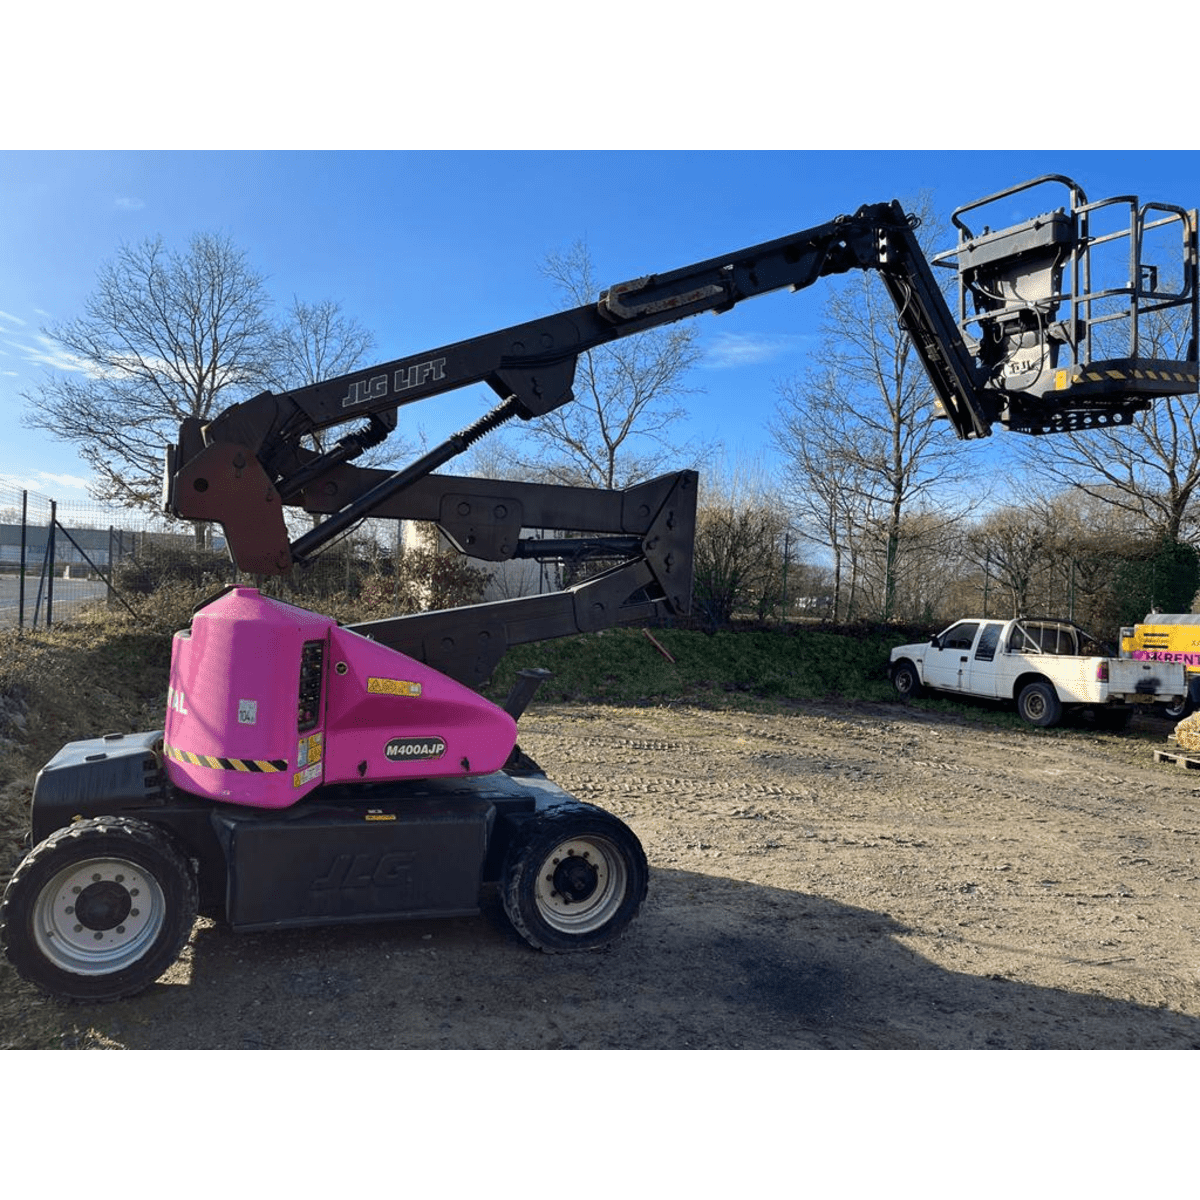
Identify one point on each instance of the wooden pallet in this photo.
(1190, 762)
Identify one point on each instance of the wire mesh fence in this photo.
(59, 558)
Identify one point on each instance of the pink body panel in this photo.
(243, 727)
(433, 725)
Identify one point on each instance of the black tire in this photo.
(1039, 704)
(1177, 712)
(574, 878)
(906, 680)
(99, 910)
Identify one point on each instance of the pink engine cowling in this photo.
(268, 701)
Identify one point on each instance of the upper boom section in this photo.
(1035, 348)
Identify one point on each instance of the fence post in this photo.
(50, 560)
(21, 570)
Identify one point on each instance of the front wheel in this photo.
(99, 910)
(1039, 704)
(906, 680)
(574, 878)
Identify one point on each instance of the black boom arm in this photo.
(1020, 366)
(240, 468)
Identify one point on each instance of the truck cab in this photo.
(960, 658)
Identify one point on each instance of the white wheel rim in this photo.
(581, 884)
(98, 916)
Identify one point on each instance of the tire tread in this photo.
(21, 949)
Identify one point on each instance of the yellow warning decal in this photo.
(310, 749)
(300, 778)
(392, 687)
(1094, 376)
(251, 765)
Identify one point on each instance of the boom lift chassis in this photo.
(310, 773)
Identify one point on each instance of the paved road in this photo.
(69, 595)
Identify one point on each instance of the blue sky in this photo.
(426, 247)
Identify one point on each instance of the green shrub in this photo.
(155, 566)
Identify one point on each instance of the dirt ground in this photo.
(868, 876)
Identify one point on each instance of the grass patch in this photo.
(623, 666)
(104, 671)
(79, 680)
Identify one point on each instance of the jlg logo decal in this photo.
(366, 870)
(404, 749)
(362, 391)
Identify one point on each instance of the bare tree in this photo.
(741, 527)
(316, 342)
(821, 483)
(1149, 470)
(168, 335)
(1062, 553)
(931, 578)
(164, 336)
(1009, 546)
(1109, 567)
(891, 452)
(622, 423)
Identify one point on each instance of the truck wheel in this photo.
(1179, 710)
(574, 878)
(906, 681)
(99, 910)
(1039, 704)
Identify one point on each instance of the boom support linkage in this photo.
(1023, 357)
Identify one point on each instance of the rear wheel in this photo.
(99, 910)
(1039, 704)
(574, 878)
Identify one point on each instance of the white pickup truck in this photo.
(1046, 666)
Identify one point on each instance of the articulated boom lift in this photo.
(312, 773)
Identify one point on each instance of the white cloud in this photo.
(78, 482)
(43, 351)
(46, 352)
(44, 481)
(129, 203)
(749, 349)
(6, 316)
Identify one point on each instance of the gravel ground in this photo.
(872, 877)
